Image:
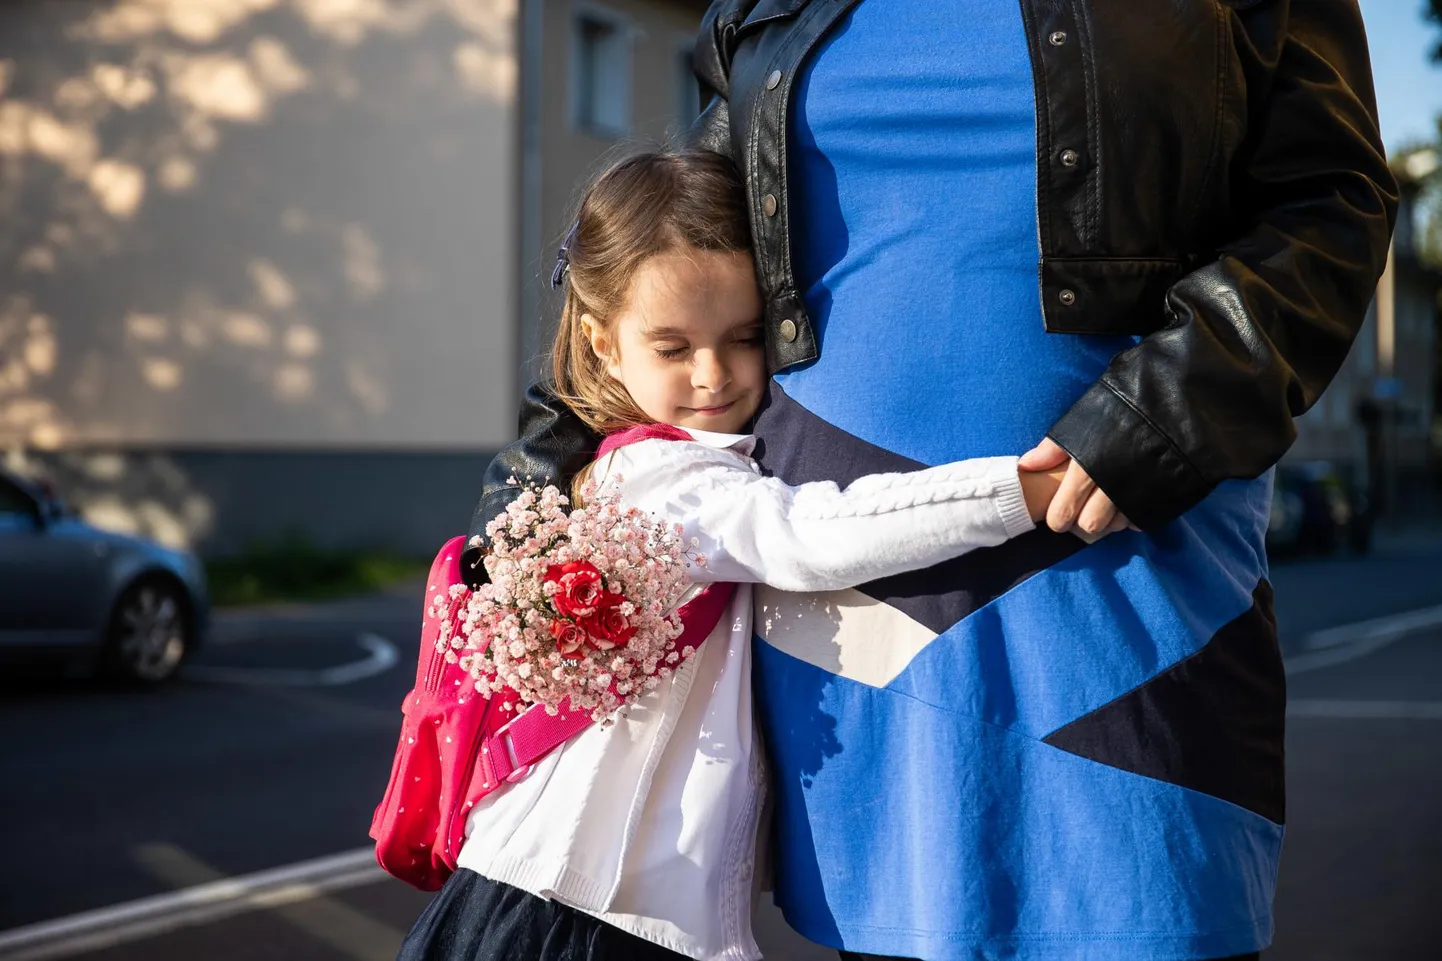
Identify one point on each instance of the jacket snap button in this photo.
(768, 204)
(1067, 297)
(773, 79)
(1069, 158)
(788, 330)
(1057, 39)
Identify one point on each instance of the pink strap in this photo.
(508, 753)
(640, 432)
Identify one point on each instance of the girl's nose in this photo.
(708, 371)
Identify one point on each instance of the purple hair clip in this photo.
(563, 257)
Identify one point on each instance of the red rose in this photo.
(608, 627)
(578, 587)
(568, 636)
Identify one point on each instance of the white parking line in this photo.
(381, 658)
(148, 917)
(1338, 645)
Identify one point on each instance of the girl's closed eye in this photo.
(670, 353)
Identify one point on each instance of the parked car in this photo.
(94, 598)
(1316, 509)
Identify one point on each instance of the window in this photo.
(689, 90)
(601, 74)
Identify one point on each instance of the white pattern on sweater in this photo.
(651, 823)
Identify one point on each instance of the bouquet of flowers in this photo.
(579, 607)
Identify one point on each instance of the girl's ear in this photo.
(601, 345)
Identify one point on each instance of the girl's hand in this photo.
(1079, 505)
(1038, 488)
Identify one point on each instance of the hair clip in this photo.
(563, 257)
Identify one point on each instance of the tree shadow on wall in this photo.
(222, 217)
(254, 222)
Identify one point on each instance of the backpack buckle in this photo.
(502, 739)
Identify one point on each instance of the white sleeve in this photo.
(818, 537)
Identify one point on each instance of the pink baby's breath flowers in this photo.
(579, 608)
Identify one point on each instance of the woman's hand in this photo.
(1079, 505)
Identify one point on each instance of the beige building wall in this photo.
(274, 224)
(657, 33)
(1404, 352)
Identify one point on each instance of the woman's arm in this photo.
(1255, 336)
(818, 537)
(553, 446)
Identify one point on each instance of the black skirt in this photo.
(473, 918)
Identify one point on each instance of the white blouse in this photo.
(650, 824)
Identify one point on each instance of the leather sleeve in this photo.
(554, 445)
(1253, 337)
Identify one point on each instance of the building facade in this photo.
(272, 266)
(600, 78)
(281, 266)
(1393, 367)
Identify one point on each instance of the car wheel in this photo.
(150, 632)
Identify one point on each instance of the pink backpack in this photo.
(457, 745)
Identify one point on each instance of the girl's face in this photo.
(687, 344)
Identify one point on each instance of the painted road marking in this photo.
(333, 922)
(382, 657)
(278, 888)
(1338, 645)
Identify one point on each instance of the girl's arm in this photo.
(818, 537)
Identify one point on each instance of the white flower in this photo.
(639, 558)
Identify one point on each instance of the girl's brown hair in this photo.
(647, 204)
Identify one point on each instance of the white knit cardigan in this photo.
(651, 823)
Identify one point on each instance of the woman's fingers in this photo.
(1076, 489)
(1119, 523)
(1044, 456)
(1097, 514)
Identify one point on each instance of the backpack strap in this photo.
(509, 751)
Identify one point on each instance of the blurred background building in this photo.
(1378, 422)
(266, 262)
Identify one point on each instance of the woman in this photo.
(1148, 232)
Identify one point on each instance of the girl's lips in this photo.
(712, 411)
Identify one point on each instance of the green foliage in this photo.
(1429, 234)
(1429, 200)
(293, 569)
(1433, 12)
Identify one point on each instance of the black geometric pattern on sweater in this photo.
(799, 447)
(1213, 723)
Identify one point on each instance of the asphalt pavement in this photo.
(225, 817)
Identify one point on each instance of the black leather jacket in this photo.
(1209, 176)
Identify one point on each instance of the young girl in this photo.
(638, 840)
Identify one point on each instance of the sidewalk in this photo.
(400, 601)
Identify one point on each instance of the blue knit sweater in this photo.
(1083, 762)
